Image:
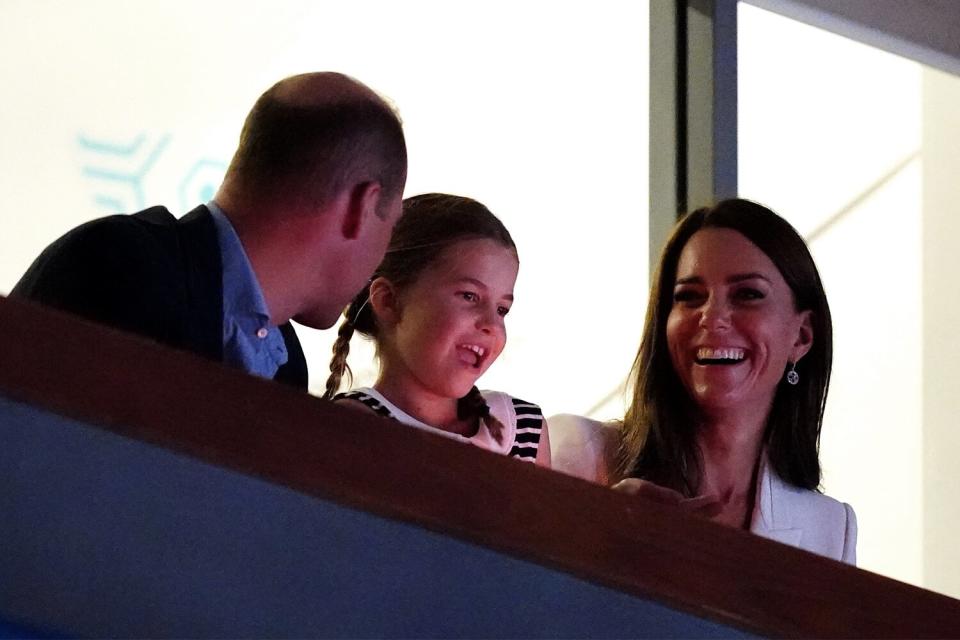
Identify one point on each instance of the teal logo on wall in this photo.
(118, 172)
(200, 183)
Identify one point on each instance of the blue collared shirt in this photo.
(250, 342)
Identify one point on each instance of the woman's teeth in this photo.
(723, 355)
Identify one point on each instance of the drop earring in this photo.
(792, 376)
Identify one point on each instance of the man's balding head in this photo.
(320, 88)
(311, 136)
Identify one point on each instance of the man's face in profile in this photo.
(354, 273)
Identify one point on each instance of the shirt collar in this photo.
(242, 296)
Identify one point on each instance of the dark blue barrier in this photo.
(115, 537)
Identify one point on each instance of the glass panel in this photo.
(843, 140)
(538, 109)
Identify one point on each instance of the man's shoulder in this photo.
(138, 238)
(155, 221)
(115, 232)
(117, 270)
(139, 273)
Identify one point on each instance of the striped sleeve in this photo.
(529, 426)
(366, 400)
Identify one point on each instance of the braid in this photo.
(338, 364)
(473, 405)
(357, 317)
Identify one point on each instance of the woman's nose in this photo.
(715, 315)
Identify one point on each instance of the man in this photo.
(302, 218)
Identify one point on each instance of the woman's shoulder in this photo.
(826, 526)
(809, 502)
(581, 428)
(584, 447)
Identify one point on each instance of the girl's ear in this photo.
(804, 337)
(384, 301)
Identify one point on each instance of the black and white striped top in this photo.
(522, 421)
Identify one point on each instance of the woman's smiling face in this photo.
(733, 326)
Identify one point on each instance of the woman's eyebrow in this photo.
(739, 277)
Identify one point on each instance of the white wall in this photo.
(941, 348)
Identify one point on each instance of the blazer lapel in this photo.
(203, 279)
(773, 515)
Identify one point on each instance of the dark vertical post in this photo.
(667, 117)
(693, 109)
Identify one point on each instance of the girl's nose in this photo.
(487, 320)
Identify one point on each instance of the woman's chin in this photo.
(718, 402)
(713, 398)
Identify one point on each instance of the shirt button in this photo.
(262, 332)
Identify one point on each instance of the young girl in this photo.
(435, 308)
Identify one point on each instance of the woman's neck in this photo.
(429, 408)
(731, 453)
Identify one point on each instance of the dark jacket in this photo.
(148, 273)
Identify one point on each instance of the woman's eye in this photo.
(503, 310)
(469, 296)
(686, 295)
(749, 293)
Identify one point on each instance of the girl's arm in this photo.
(543, 449)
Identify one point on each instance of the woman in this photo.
(729, 386)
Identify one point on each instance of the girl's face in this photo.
(733, 327)
(450, 326)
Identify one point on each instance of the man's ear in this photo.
(384, 301)
(804, 337)
(362, 203)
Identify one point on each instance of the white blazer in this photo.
(800, 518)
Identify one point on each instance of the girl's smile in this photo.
(472, 354)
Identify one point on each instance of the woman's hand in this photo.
(707, 506)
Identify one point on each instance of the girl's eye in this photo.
(469, 296)
(503, 310)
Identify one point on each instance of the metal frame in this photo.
(693, 110)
